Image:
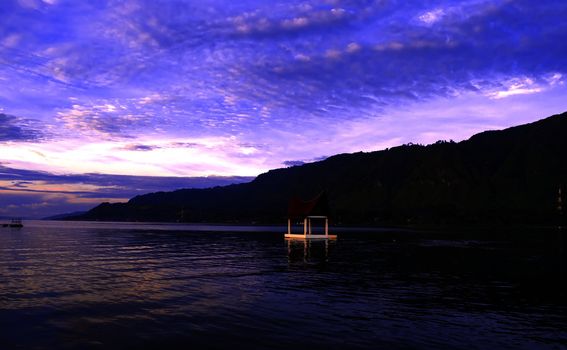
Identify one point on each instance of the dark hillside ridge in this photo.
(509, 176)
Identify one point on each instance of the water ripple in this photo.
(95, 285)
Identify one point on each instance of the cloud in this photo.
(291, 20)
(18, 129)
(290, 163)
(104, 119)
(431, 17)
(525, 86)
(334, 60)
(184, 144)
(116, 185)
(422, 63)
(140, 147)
(49, 193)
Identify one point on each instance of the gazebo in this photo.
(316, 208)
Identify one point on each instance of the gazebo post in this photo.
(316, 209)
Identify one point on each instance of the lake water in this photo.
(72, 285)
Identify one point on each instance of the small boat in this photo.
(15, 223)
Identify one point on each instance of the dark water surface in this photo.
(101, 285)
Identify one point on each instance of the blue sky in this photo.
(186, 89)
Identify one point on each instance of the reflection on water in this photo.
(99, 286)
(308, 251)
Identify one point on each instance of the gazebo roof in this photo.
(318, 206)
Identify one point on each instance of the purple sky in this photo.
(189, 88)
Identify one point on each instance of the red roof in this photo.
(317, 206)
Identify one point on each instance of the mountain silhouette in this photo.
(510, 176)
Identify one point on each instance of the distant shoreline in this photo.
(336, 228)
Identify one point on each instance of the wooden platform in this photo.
(14, 223)
(302, 236)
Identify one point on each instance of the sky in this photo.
(106, 99)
